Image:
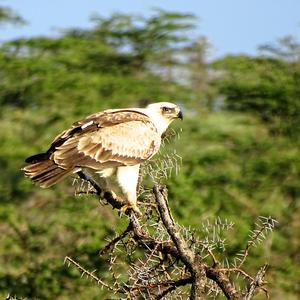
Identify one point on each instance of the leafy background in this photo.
(239, 144)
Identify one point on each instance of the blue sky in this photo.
(232, 26)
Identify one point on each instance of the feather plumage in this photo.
(116, 138)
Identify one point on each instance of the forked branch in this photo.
(170, 251)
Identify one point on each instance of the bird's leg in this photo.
(127, 177)
(107, 187)
(105, 181)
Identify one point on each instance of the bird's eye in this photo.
(166, 109)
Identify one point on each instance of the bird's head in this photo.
(163, 113)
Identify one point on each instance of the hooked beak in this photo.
(180, 115)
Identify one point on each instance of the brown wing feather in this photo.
(107, 139)
(101, 119)
(128, 143)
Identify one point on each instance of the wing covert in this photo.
(127, 143)
(118, 138)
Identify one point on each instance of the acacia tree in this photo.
(154, 40)
(168, 261)
(7, 15)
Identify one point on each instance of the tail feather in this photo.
(44, 171)
(37, 158)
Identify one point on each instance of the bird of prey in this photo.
(110, 145)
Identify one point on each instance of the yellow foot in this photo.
(131, 206)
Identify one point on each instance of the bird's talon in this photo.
(124, 208)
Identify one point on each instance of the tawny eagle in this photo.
(112, 143)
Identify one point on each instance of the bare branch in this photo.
(188, 257)
(115, 203)
(223, 282)
(68, 260)
(112, 243)
(185, 253)
(173, 285)
(236, 270)
(258, 282)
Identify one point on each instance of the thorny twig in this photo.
(68, 260)
(113, 242)
(257, 282)
(151, 278)
(266, 224)
(173, 285)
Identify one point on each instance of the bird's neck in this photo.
(160, 123)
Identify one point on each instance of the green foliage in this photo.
(267, 86)
(66, 67)
(233, 165)
(9, 16)
(149, 40)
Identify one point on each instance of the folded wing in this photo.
(107, 139)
